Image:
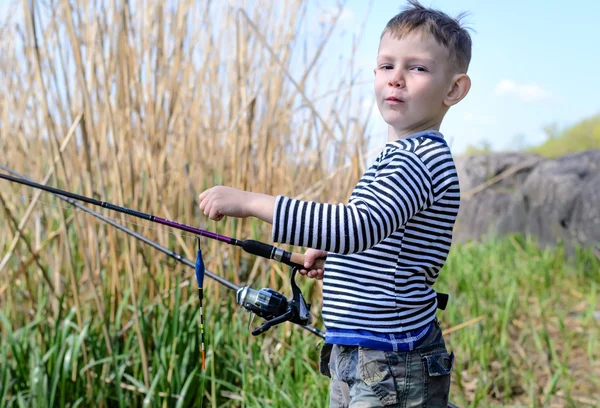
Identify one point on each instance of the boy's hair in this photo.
(447, 31)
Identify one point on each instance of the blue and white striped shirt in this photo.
(386, 246)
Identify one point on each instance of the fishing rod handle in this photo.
(272, 252)
(299, 260)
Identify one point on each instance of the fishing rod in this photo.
(272, 306)
(249, 245)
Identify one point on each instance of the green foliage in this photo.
(583, 135)
(483, 147)
(536, 307)
(579, 137)
(533, 325)
(42, 364)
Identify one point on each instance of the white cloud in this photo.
(525, 92)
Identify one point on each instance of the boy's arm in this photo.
(401, 186)
(394, 190)
(220, 201)
(262, 206)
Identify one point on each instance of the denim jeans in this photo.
(362, 377)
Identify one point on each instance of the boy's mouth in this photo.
(393, 99)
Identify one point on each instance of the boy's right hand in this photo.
(310, 256)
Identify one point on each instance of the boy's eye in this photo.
(419, 68)
(387, 66)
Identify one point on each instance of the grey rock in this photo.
(551, 199)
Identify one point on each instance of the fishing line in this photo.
(78, 210)
(251, 246)
(274, 307)
(171, 267)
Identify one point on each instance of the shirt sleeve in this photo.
(399, 187)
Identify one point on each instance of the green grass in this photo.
(538, 308)
(537, 344)
(42, 363)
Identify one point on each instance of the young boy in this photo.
(385, 248)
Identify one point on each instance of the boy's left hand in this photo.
(219, 201)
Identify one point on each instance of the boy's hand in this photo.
(217, 202)
(310, 256)
(220, 201)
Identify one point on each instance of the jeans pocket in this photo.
(439, 368)
(375, 371)
(324, 358)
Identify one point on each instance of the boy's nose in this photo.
(397, 81)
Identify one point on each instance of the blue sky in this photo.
(534, 63)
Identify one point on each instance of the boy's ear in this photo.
(461, 83)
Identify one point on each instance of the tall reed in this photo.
(145, 104)
(160, 101)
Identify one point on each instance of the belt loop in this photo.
(394, 343)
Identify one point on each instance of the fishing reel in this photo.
(274, 307)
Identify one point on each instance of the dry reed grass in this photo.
(153, 102)
(162, 103)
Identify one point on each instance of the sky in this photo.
(535, 63)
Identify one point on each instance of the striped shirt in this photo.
(387, 245)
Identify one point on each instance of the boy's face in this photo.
(412, 80)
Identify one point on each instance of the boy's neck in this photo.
(397, 134)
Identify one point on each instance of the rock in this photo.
(477, 169)
(551, 199)
(585, 220)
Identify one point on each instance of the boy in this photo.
(385, 248)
